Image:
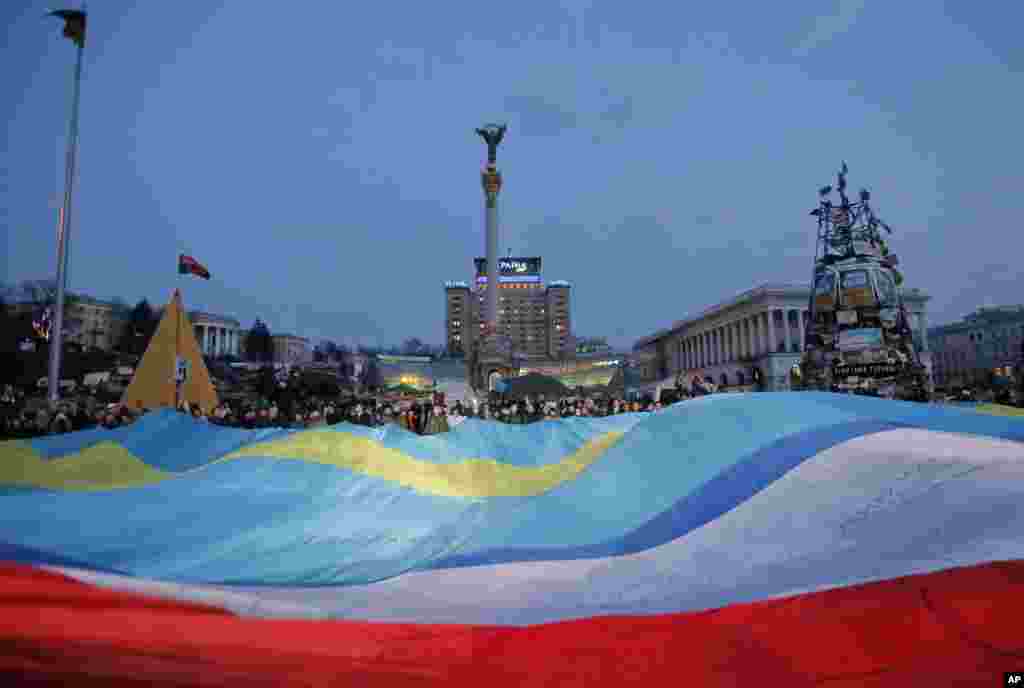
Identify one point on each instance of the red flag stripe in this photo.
(955, 627)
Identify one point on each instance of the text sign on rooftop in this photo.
(511, 266)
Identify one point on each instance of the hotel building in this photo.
(534, 317)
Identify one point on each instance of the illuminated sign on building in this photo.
(507, 279)
(517, 267)
(394, 358)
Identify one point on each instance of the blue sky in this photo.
(320, 158)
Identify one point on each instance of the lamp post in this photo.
(74, 28)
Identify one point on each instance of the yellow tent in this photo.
(154, 383)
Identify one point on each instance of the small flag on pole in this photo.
(187, 265)
(74, 24)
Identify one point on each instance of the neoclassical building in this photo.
(218, 335)
(761, 328)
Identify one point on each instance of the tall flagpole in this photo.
(63, 235)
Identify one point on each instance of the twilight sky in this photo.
(319, 157)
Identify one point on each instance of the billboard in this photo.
(511, 267)
(858, 340)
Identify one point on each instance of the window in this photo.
(887, 293)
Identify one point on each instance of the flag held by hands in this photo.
(187, 265)
(74, 24)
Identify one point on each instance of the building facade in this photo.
(592, 346)
(967, 352)
(99, 323)
(534, 318)
(290, 349)
(217, 335)
(762, 328)
(88, 322)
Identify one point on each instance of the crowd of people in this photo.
(421, 416)
(24, 417)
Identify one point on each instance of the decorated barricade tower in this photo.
(859, 338)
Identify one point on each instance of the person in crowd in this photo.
(405, 420)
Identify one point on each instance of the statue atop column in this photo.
(490, 177)
(492, 134)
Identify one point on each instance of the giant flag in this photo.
(739, 539)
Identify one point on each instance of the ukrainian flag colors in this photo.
(797, 514)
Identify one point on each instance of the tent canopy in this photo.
(534, 384)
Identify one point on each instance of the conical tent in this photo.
(154, 384)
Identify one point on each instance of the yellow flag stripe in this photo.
(108, 466)
(102, 466)
(467, 478)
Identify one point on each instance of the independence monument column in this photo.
(492, 134)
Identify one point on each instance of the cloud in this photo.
(789, 241)
(538, 116)
(993, 272)
(619, 113)
(829, 26)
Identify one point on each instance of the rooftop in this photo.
(213, 317)
(985, 315)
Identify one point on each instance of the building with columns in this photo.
(218, 335)
(761, 328)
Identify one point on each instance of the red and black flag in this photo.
(187, 265)
(74, 24)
